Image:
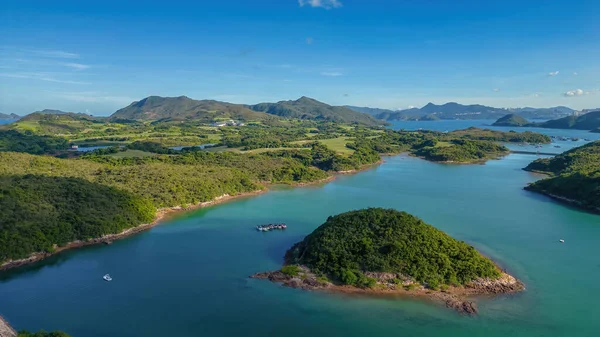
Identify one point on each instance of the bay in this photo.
(189, 276)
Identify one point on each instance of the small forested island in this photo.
(588, 121)
(461, 151)
(511, 120)
(574, 176)
(384, 251)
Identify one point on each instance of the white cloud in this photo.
(575, 92)
(411, 107)
(40, 77)
(575, 74)
(553, 73)
(327, 4)
(76, 66)
(332, 73)
(56, 54)
(496, 89)
(309, 40)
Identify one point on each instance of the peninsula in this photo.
(574, 177)
(384, 251)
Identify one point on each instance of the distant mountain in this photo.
(369, 111)
(454, 110)
(589, 121)
(543, 113)
(511, 120)
(51, 112)
(55, 122)
(308, 108)
(9, 116)
(184, 108)
(54, 115)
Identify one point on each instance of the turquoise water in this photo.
(188, 276)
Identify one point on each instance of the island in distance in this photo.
(387, 252)
(588, 121)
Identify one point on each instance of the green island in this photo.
(511, 120)
(574, 176)
(379, 250)
(588, 121)
(163, 154)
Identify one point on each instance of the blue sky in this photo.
(98, 56)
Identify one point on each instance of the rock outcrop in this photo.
(457, 298)
(5, 329)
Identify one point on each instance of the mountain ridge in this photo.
(310, 108)
(453, 110)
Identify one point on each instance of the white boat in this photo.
(107, 277)
(561, 241)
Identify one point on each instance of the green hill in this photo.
(575, 176)
(589, 121)
(308, 108)
(385, 240)
(56, 123)
(511, 120)
(39, 212)
(184, 108)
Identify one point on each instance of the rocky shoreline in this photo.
(390, 284)
(5, 329)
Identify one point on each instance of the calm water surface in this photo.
(188, 277)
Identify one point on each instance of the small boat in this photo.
(107, 277)
(561, 241)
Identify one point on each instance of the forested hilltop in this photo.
(351, 244)
(384, 251)
(141, 171)
(575, 176)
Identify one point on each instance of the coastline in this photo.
(564, 200)
(5, 329)
(161, 215)
(459, 298)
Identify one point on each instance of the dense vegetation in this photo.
(183, 108)
(461, 151)
(11, 140)
(575, 175)
(499, 136)
(511, 120)
(308, 108)
(41, 211)
(385, 240)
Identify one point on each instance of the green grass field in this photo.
(338, 144)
